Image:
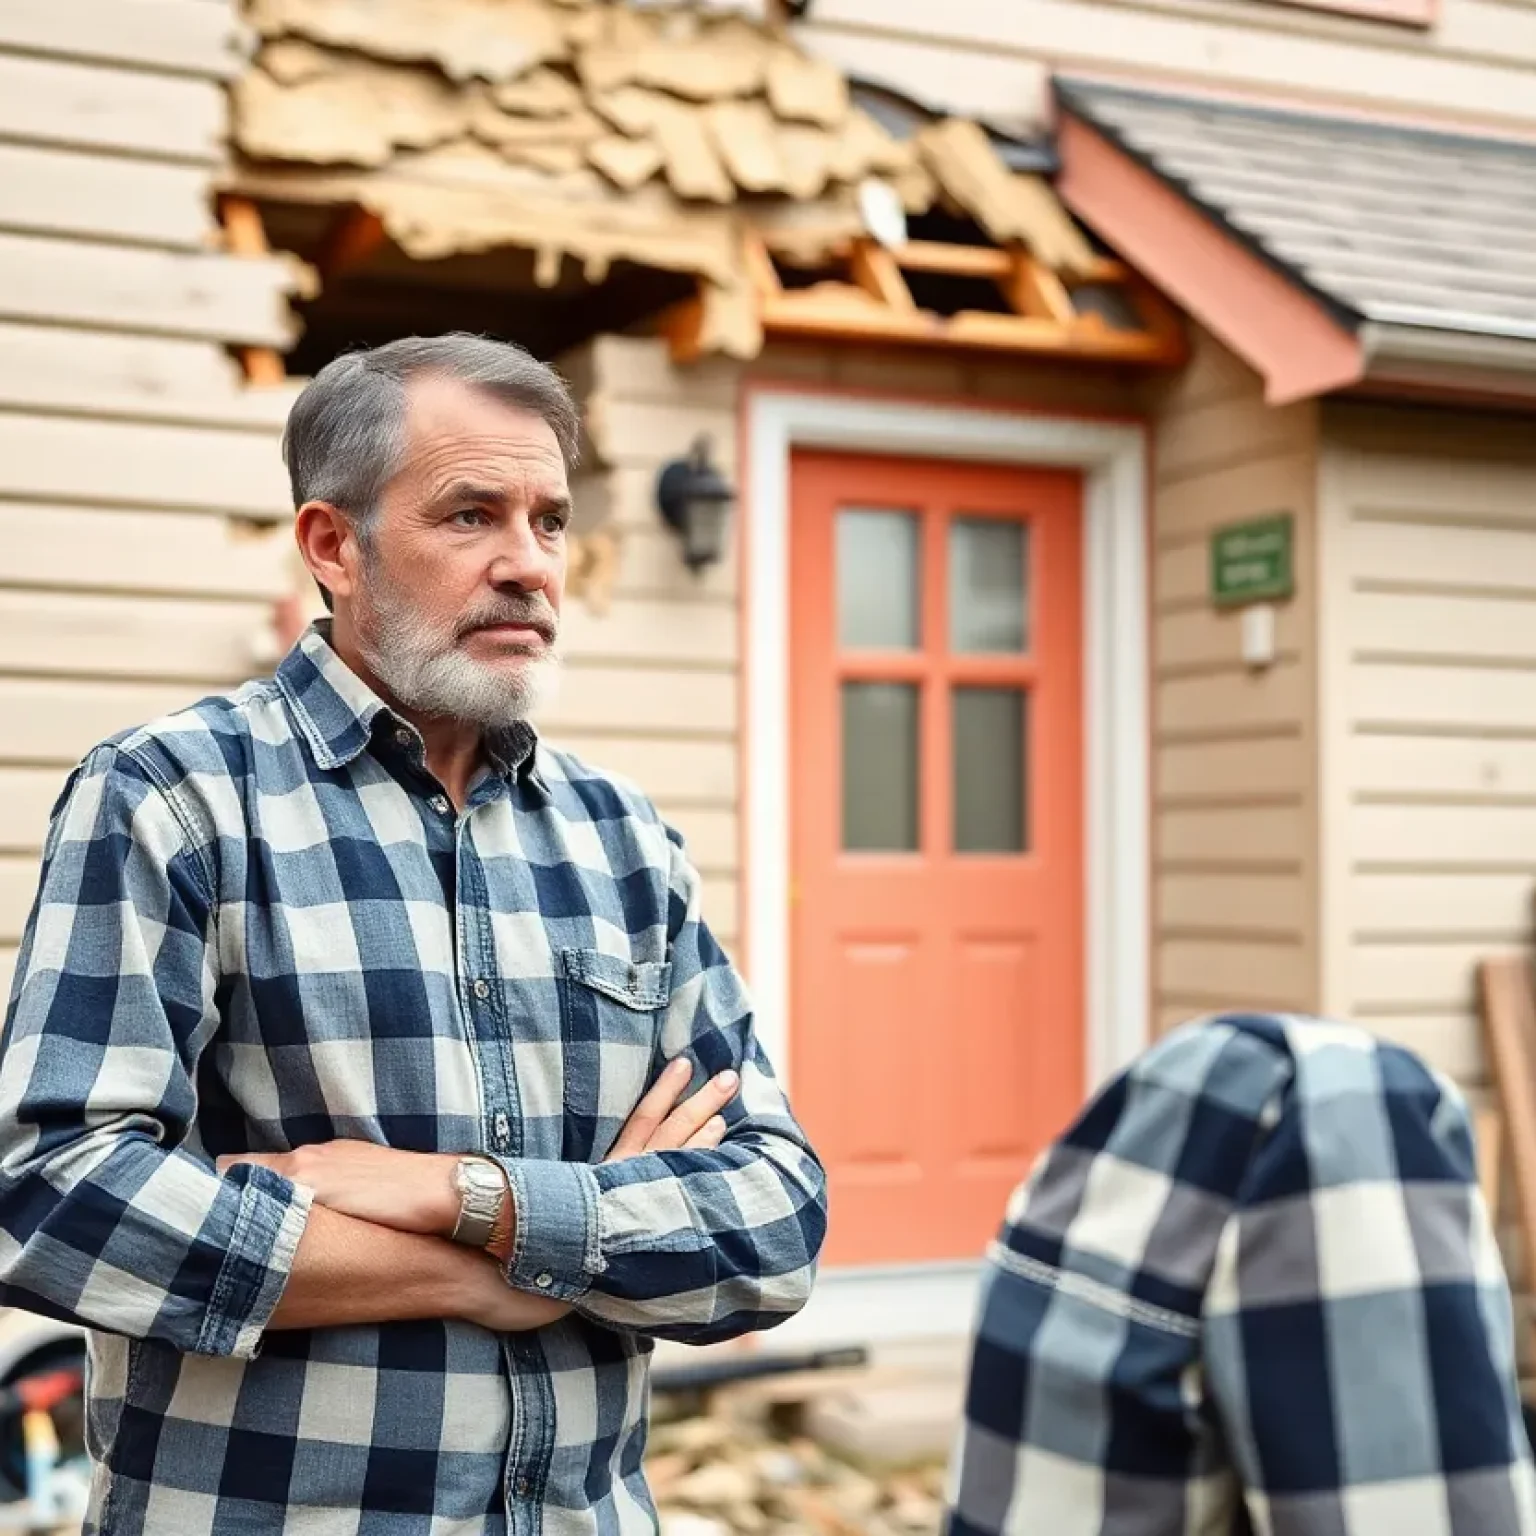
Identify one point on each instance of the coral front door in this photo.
(937, 928)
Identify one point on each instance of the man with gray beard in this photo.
(373, 1090)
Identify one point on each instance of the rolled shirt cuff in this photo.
(556, 1248)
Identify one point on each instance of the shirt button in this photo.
(402, 737)
(440, 804)
(524, 1487)
(544, 1281)
(482, 990)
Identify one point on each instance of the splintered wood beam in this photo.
(354, 235)
(956, 260)
(874, 269)
(246, 235)
(1033, 289)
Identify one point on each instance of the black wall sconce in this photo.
(696, 500)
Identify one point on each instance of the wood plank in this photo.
(1424, 836)
(106, 463)
(187, 554)
(1213, 770)
(693, 771)
(135, 378)
(651, 567)
(1420, 977)
(1207, 436)
(1204, 637)
(1225, 703)
(1236, 974)
(1214, 903)
(55, 722)
(47, 101)
(649, 433)
(1228, 494)
(649, 701)
(1495, 907)
(720, 901)
(18, 890)
(1443, 489)
(1477, 559)
(1235, 836)
(711, 836)
(1440, 697)
(66, 192)
(1181, 573)
(1385, 625)
(178, 36)
(69, 635)
(27, 797)
(637, 630)
(164, 293)
(1448, 767)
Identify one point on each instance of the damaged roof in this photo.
(592, 130)
(1385, 224)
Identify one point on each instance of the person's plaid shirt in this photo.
(1253, 1289)
(261, 925)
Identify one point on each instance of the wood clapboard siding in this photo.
(1477, 63)
(141, 493)
(650, 687)
(1429, 533)
(137, 116)
(1234, 760)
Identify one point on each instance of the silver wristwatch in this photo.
(482, 1189)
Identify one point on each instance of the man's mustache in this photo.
(526, 612)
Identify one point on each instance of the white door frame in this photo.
(1112, 459)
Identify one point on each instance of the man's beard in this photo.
(438, 678)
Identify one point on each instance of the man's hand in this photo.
(409, 1191)
(660, 1124)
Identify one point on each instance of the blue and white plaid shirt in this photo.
(1253, 1289)
(262, 925)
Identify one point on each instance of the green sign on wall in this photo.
(1253, 562)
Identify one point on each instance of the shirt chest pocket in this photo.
(610, 1014)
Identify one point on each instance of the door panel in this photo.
(936, 796)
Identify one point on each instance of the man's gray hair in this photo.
(345, 438)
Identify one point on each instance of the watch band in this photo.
(482, 1188)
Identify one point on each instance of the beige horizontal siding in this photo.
(1477, 62)
(650, 688)
(1234, 776)
(121, 110)
(140, 485)
(1430, 529)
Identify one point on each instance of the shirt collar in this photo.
(337, 711)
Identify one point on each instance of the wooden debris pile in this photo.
(715, 1476)
(593, 131)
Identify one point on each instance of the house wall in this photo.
(653, 688)
(135, 475)
(1429, 706)
(1235, 865)
(1476, 63)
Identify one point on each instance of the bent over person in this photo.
(1253, 1291)
(345, 1094)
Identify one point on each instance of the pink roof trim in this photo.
(1283, 334)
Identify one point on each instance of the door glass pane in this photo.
(877, 580)
(990, 788)
(880, 767)
(988, 583)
